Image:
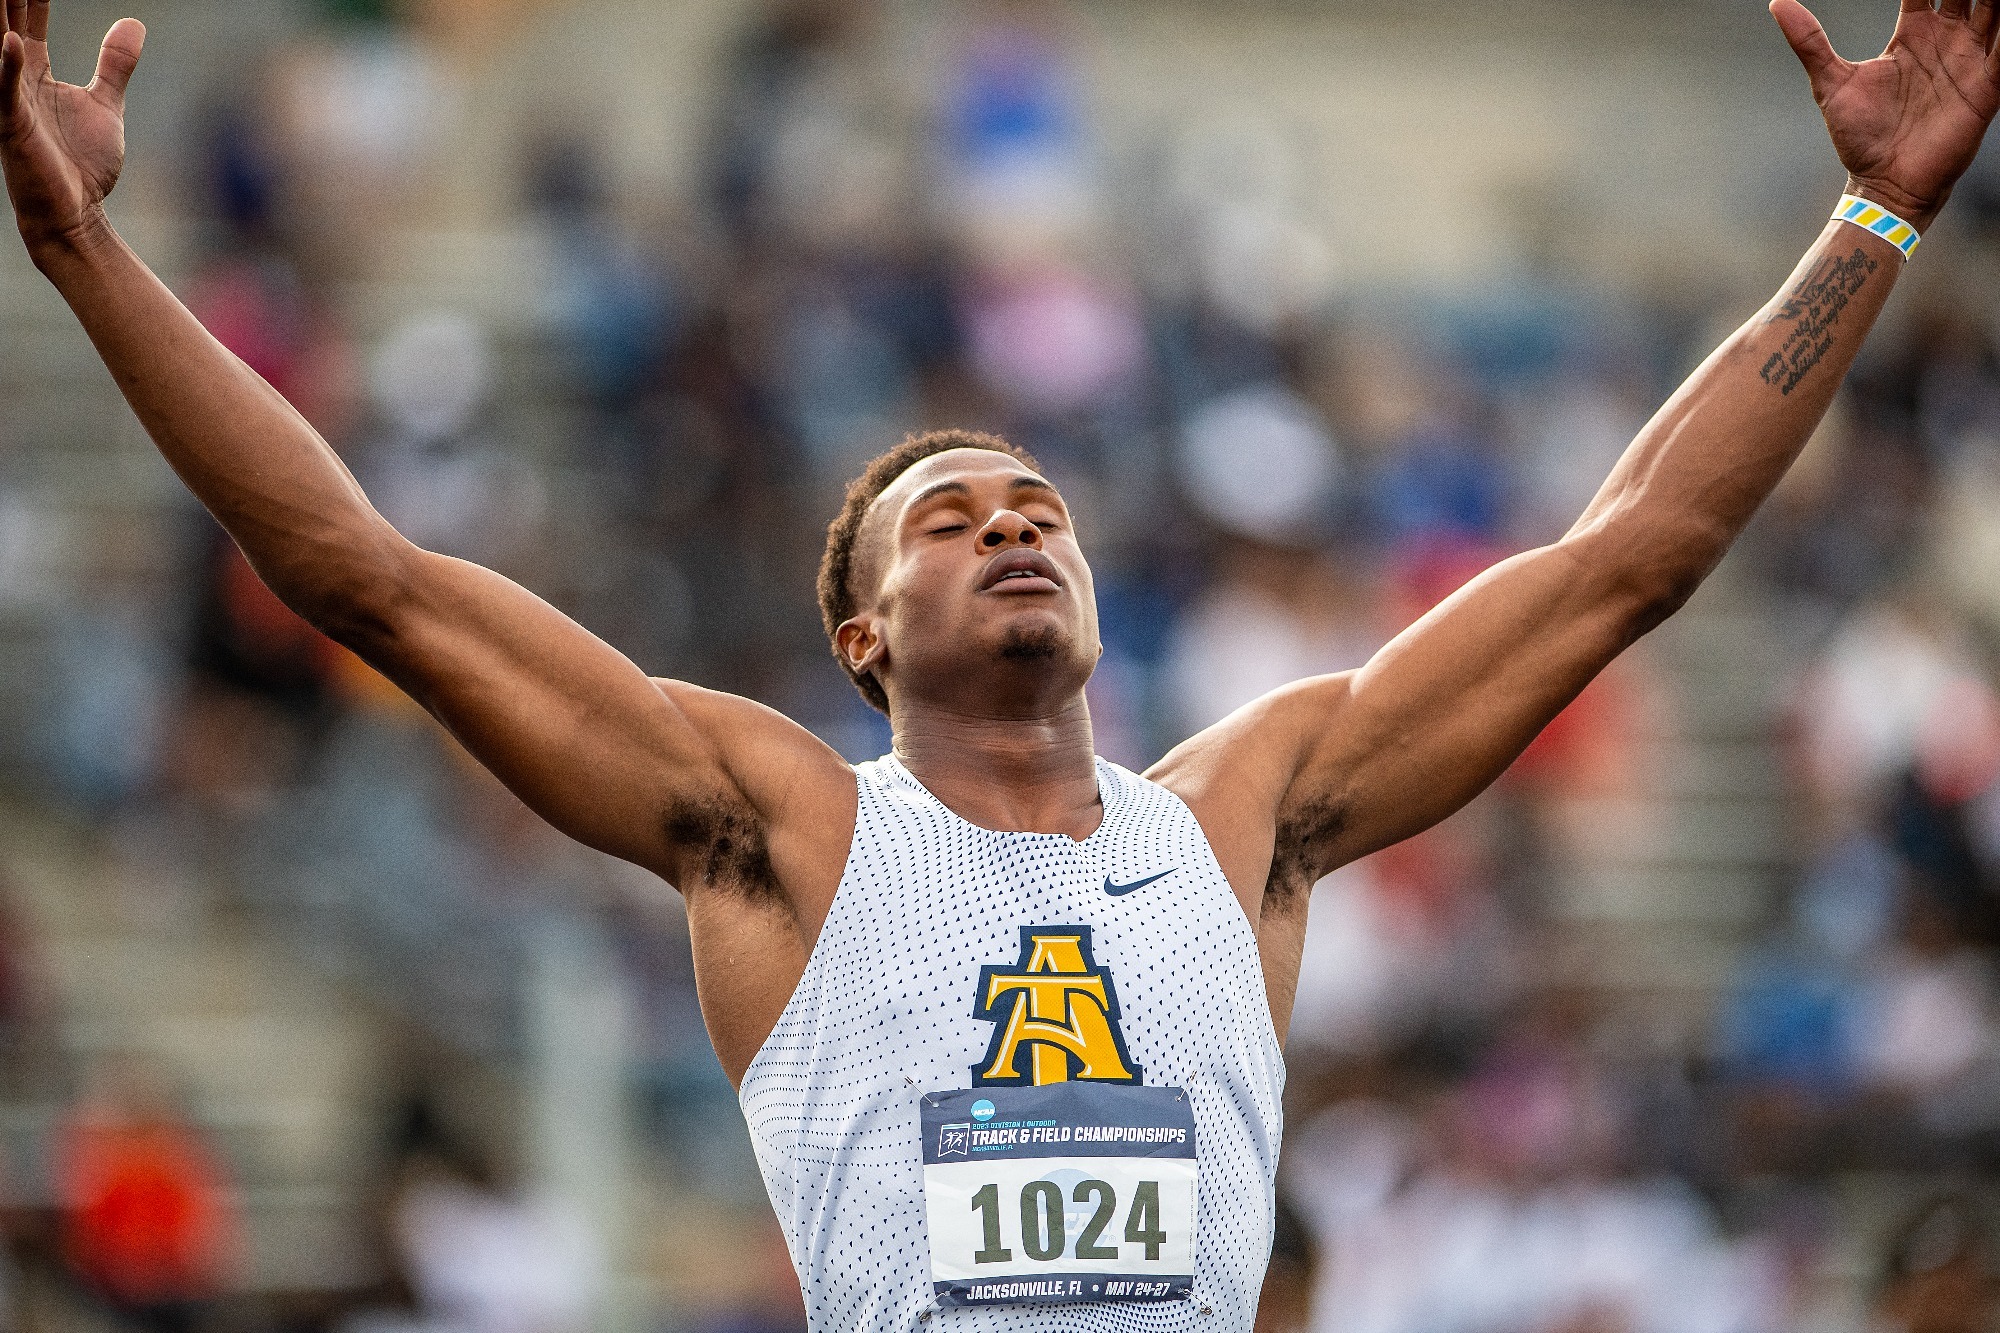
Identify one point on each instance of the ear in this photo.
(861, 643)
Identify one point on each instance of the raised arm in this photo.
(641, 769)
(1351, 763)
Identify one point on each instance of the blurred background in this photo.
(1313, 310)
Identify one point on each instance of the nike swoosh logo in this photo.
(1120, 890)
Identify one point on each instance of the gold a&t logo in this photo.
(1056, 1015)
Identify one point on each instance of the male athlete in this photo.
(1005, 1018)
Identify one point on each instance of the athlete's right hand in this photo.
(61, 146)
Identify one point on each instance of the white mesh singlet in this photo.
(885, 1013)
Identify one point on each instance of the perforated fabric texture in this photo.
(885, 1013)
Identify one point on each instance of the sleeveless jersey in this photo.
(887, 1012)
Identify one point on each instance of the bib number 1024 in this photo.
(1072, 1192)
(1044, 1217)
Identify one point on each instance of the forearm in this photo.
(1694, 476)
(251, 459)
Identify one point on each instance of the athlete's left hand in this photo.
(1907, 123)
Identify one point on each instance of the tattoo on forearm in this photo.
(1812, 310)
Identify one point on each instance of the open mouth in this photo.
(1021, 571)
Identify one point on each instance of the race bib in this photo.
(1069, 1192)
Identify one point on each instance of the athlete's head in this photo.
(953, 566)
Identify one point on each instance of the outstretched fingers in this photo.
(1809, 43)
(28, 20)
(13, 58)
(116, 61)
(1983, 15)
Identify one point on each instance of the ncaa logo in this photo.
(982, 1110)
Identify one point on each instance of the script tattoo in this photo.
(1813, 309)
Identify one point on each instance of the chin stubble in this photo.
(1032, 645)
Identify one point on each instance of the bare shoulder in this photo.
(1251, 784)
(775, 823)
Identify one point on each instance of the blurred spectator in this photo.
(101, 736)
(1485, 1238)
(1441, 485)
(1570, 435)
(1787, 1022)
(789, 92)
(484, 1261)
(1016, 155)
(1260, 463)
(243, 179)
(431, 471)
(612, 303)
(1409, 943)
(1050, 339)
(147, 1221)
(1965, 546)
(832, 358)
(363, 113)
(1897, 686)
(1925, 1027)
(34, 548)
(1252, 246)
(1273, 615)
(1937, 1276)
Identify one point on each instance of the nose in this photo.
(1008, 527)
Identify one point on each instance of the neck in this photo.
(1017, 775)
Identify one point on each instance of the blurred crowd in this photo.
(1273, 475)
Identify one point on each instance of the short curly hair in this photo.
(836, 568)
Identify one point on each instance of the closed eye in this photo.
(948, 529)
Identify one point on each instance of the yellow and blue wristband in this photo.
(1871, 216)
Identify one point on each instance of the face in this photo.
(981, 593)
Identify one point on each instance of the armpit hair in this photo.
(723, 846)
(1306, 835)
